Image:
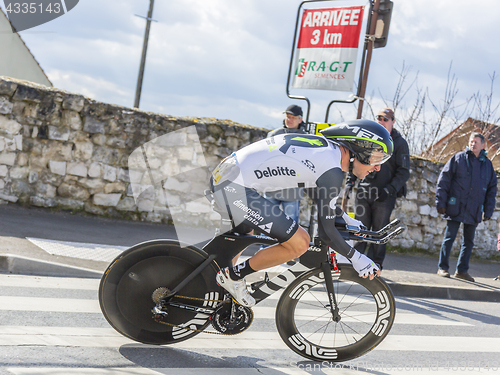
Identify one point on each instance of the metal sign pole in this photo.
(143, 57)
(369, 43)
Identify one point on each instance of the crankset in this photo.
(231, 318)
(228, 317)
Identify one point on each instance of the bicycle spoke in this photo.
(352, 329)
(324, 326)
(313, 320)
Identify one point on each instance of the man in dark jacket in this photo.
(465, 193)
(377, 193)
(292, 123)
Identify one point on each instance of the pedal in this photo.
(256, 285)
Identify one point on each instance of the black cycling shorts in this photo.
(248, 209)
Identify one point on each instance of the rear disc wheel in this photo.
(128, 287)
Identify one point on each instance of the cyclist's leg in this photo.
(277, 203)
(244, 229)
(247, 207)
(266, 216)
(280, 253)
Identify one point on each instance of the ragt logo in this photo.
(323, 66)
(360, 132)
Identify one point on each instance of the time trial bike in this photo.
(164, 292)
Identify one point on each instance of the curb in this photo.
(20, 265)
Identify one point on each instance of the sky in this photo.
(229, 59)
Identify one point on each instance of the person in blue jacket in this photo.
(465, 193)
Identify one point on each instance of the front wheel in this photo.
(304, 320)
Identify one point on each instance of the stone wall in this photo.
(63, 150)
(66, 151)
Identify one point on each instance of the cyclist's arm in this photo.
(329, 186)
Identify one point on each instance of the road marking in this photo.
(82, 371)
(103, 337)
(261, 370)
(305, 368)
(69, 305)
(15, 303)
(440, 344)
(55, 331)
(50, 338)
(357, 316)
(81, 250)
(49, 282)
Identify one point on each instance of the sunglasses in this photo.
(383, 118)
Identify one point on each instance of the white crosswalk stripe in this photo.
(92, 306)
(95, 333)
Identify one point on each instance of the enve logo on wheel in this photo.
(25, 14)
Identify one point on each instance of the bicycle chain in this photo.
(192, 329)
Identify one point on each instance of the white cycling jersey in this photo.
(284, 161)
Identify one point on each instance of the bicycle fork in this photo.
(334, 308)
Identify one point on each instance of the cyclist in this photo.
(289, 161)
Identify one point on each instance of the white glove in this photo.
(363, 265)
(350, 221)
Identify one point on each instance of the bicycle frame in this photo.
(223, 248)
(226, 247)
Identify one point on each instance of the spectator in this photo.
(465, 193)
(377, 193)
(290, 198)
(292, 123)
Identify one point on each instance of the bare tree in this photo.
(423, 121)
(484, 109)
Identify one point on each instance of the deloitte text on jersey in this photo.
(327, 48)
(278, 171)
